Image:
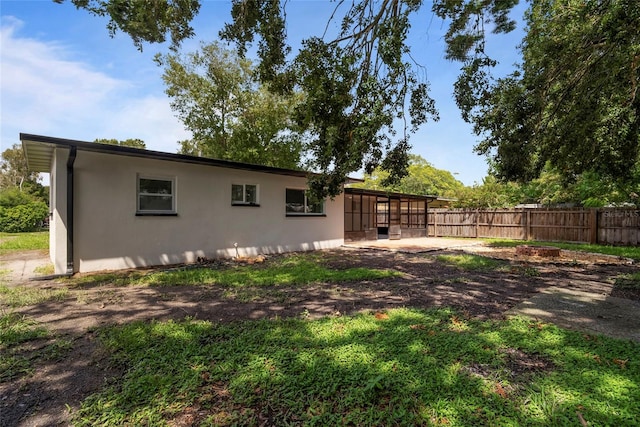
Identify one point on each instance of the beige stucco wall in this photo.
(109, 235)
(58, 209)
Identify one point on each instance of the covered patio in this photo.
(380, 215)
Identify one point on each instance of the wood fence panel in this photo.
(606, 226)
(502, 223)
(619, 227)
(460, 223)
(565, 225)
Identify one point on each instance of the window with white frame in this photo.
(156, 195)
(301, 202)
(244, 194)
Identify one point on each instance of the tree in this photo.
(422, 178)
(230, 114)
(364, 94)
(145, 21)
(573, 103)
(14, 171)
(14, 174)
(551, 189)
(23, 200)
(131, 142)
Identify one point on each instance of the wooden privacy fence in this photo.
(611, 226)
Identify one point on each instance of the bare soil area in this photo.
(57, 387)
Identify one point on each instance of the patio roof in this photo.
(365, 191)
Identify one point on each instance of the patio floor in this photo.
(416, 245)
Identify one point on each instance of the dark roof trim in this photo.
(365, 191)
(156, 155)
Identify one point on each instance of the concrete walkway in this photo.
(21, 267)
(582, 311)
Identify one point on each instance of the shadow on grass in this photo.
(405, 367)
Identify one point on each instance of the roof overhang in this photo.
(38, 154)
(39, 149)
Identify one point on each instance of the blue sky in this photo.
(62, 75)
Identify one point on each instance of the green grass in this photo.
(21, 296)
(628, 281)
(402, 367)
(24, 241)
(292, 270)
(45, 270)
(470, 262)
(16, 357)
(632, 252)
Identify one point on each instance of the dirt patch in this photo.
(45, 397)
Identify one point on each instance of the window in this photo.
(244, 194)
(156, 195)
(300, 202)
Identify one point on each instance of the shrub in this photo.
(12, 197)
(24, 217)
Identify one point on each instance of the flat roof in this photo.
(381, 193)
(38, 150)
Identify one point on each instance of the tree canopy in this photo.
(364, 94)
(131, 142)
(551, 189)
(145, 21)
(15, 177)
(231, 115)
(23, 200)
(14, 171)
(573, 103)
(422, 178)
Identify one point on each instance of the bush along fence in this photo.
(608, 226)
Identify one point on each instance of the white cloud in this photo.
(45, 91)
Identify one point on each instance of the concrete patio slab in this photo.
(416, 245)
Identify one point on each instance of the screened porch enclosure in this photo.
(372, 215)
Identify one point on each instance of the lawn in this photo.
(282, 270)
(471, 262)
(11, 242)
(394, 367)
(632, 252)
(400, 367)
(24, 343)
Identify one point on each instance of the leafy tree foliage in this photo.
(358, 85)
(355, 85)
(422, 178)
(13, 169)
(574, 102)
(14, 174)
(131, 142)
(551, 189)
(145, 21)
(231, 115)
(24, 217)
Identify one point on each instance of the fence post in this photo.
(593, 220)
(477, 221)
(435, 224)
(527, 235)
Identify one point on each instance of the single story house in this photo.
(115, 207)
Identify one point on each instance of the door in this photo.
(382, 217)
